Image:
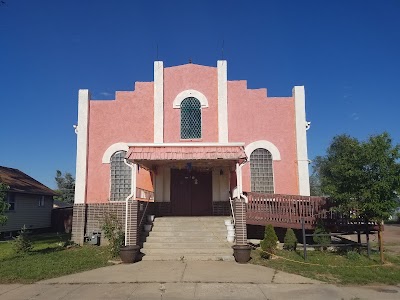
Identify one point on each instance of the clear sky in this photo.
(345, 53)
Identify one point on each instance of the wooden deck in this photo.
(287, 211)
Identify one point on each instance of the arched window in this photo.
(190, 118)
(262, 175)
(120, 177)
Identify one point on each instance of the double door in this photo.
(191, 193)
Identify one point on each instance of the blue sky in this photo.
(345, 53)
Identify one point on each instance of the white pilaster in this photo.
(222, 101)
(301, 140)
(158, 102)
(82, 146)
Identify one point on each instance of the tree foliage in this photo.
(65, 187)
(361, 177)
(3, 203)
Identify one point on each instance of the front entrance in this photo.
(191, 193)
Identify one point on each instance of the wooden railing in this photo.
(289, 210)
(285, 210)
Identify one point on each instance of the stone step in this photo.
(186, 245)
(190, 257)
(188, 239)
(180, 252)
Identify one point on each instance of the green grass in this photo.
(48, 259)
(334, 267)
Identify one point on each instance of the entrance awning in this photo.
(160, 154)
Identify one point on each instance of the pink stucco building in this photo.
(186, 142)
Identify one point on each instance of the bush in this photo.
(290, 240)
(22, 243)
(323, 241)
(112, 230)
(353, 255)
(268, 244)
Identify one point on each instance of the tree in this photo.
(315, 185)
(3, 203)
(269, 243)
(362, 177)
(65, 187)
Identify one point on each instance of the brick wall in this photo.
(240, 218)
(90, 217)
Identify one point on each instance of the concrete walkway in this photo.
(189, 280)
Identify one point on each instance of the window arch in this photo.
(120, 177)
(261, 171)
(190, 118)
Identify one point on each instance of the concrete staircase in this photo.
(187, 238)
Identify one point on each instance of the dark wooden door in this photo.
(191, 193)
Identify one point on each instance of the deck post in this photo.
(303, 228)
(368, 244)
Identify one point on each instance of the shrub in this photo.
(22, 243)
(112, 230)
(290, 240)
(268, 244)
(353, 255)
(323, 241)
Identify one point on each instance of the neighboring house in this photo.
(188, 141)
(30, 201)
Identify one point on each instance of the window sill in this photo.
(191, 140)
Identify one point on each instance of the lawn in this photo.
(336, 268)
(48, 259)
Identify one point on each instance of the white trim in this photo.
(82, 146)
(301, 140)
(158, 102)
(112, 149)
(190, 93)
(265, 145)
(184, 144)
(131, 166)
(222, 101)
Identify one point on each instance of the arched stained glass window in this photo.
(190, 118)
(262, 175)
(120, 177)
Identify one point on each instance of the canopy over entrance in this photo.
(150, 156)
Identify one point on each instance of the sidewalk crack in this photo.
(183, 273)
(273, 276)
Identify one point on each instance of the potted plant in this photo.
(241, 253)
(150, 218)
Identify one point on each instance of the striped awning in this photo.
(186, 153)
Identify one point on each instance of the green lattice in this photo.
(190, 118)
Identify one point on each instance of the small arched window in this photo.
(120, 177)
(262, 175)
(190, 118)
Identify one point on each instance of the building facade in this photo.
(186, 142)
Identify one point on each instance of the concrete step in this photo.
(186, 245)
(209, 251)
(192, 227)
(188, 239)
(220, 234)
(194, 257)
(190, 219)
